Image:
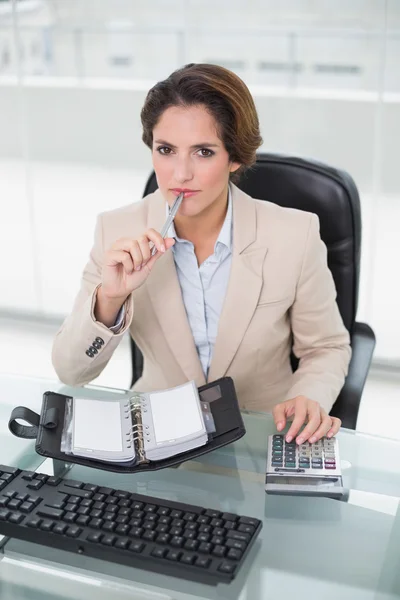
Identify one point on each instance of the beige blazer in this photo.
(280, 296)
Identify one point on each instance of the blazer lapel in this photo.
(166, 296)
(244, 285)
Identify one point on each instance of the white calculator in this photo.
(304, 470)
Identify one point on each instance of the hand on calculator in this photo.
(305, 412)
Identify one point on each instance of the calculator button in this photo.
(314, 466)
(330, 460)
(330, 466)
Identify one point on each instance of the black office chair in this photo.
(332, 195)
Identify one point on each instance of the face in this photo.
(188, 156)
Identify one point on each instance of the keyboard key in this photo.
(51, 513)
(4, 514)
(159, 552)
(136, 547)
(16, 517)
(108, 526)
(109, 540)
(95, 523)
(234, 554)
(205, 548)
(83, 510)
(7, 469)
(164, 511)
(187, 558)
(46, 525)
(174, 555)
(95, 537)
(82, 520)
(28, 475)
(33, 522)
(239, 535)
(122, 529)
(90, 487)
(10, 494)
(203, 562)
(136, 532)
(122, 543)
(238, 545)
(73, 484)
(176, 514)
(163, 538)
(191, 545)
(22, 497)
(177, 541)
(14, 504)
(218, 541)
(60, 528)
(149, 536)
(53, 480)
(249, 521)
(219, 551)
(214, 514)
(70, 517)
(246, 529)
(35, 485)
(4, 501)
(73, 531)
(227, 567)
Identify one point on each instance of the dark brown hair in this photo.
(224, 95)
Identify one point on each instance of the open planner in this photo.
(135, 432)
(143, 427)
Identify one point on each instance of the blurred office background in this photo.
(325, 75)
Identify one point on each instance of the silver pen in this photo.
(172, 212)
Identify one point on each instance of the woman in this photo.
(234, 287)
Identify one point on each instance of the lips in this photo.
(187, 193)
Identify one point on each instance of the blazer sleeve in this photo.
(320, 339)
(76, 360)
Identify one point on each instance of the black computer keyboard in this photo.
(140, 531)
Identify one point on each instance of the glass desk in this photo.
(307, 546)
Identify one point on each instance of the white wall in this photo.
(99, 123)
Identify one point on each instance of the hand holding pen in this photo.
(128, 263)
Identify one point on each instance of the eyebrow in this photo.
(203, 145)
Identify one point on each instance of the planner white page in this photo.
(97, 425)
(176, 413)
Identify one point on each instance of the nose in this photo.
(183, 170)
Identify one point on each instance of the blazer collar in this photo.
(244, 287)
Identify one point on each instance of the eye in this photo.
(206, 153)
(165, 150)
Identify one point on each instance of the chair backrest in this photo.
(314, 187)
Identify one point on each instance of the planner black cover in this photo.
(49, 429)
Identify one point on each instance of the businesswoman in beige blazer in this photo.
(235, 285)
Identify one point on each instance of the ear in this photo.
(234, 166)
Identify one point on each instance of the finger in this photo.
(157, 239)
(323, 429)
(169, 242)
(336, 425)
(117, 257)
(314, 421)
(144, 246)
(300, 416)
(279, 414)
(136, 254)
